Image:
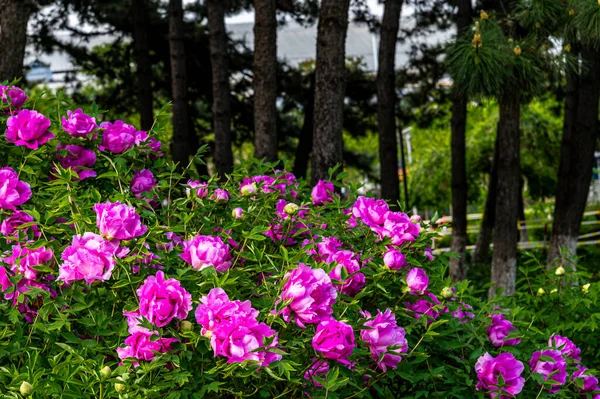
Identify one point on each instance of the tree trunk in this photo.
(523, 234)
(481, 253)
(504, 260)
(180, 146)
(143, 66)
(306, 134)
(14, 15)
(329, 88)
(580, 131)
(265, 80)
(221, 106)
(458, 267)
(386, 102)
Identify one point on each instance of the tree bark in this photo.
(458, 267)
(386, 102)
(580, 131)
(504, 260)
(329, 88)
(484, 238)
(180, 145)
(523, 234)
(143, 66)
(306, 134)
(221, 106)
(14, 15)
(265, 80)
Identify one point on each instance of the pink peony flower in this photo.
(237, 213)
(201, 188)
(499, 330)
(490, 369)
(23, 260)
(116, 220)
(556, 369)
(319, 368)
(384, 337)
(204, 251)
(311, 293)
(142, 182)
(322, 193)
(372, 212)
(13, 192)
(12, 224)
(28, 128)
(429, 307)
(248, 188)
(589, 383)
(242, 342)
(174, 240)
(463, 313)
(565, 346)
(117, 137)
(255, 182)
(428, 254)
(141, 346)
(220, 195)
(394, 259)
(155, 145)
(417, 281)
(162, 300)
(27, 305)
(77, 158)
(4, 279)
(78, 124)
(89, 257)
(356, 281)
(13, 96)
(134, 320)
(399, 228)
(334, 340)
(217, 312)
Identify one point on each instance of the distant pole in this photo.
(404, 176)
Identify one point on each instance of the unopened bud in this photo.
(553, 291)
(186, 326)
(291, 208)
(447, 293)
(560, 271)
(483, 15)
(237, 213)
(541, 291)
(572, 11)
(538, 25)
(26, 388)
(118, 386)
(586, 288)
(517, 50)
(249, 189)
(105, 373)
(567, 48)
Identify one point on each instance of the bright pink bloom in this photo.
(311, 293)
(174, 240)
(319, 369)
(463, 313)
(142, 182)
(77, 158)
(134, 320)
(13, 96)
(322, 192)
(11, 225)
(4, 279)
(237, 212)
(243, 340)
(417, 280)
(140, 346)
(499, 330)
(23, 260)
(28, 128)
(489, 369)
(220, 195)
(428, 254)
(13, 192)
(116, 220)
(201, 188)
(384, 337)
(394, 259)
(216, 312)
(117, 137)
(161, 300)
(89, 257)
(356, 281)
(204, 251)
(262, 182)
(427, 306)
(589, 382)
(372, 212)
(557, 367)
(565, 346)
(334, 340)
(155, 145)
(399, 228)
(79, 124)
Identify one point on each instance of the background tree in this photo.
(143, 65)
(386, 101)
(329, 88)
(14, 15)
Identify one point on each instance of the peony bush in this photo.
(124, 276)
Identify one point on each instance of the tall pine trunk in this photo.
(265, 80)
(306, 134)
(458, 267)
(221, 106)
(180, 145)
(330, 68)
(386, 101)
(14, 15)
(143, 69)
(504, 260)
(580, 131)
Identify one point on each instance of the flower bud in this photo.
(560, 271)
(447, 293)
(541, 291)
(118, 386)
(567, 48)
(249, 190)
(586, 288)
(186, 326)
(105, 373)
(26, 388)
(291, 208)
(517, 50)
(237, 213)
(572, 11)
(553, 291)
(208, 334)
(483, 15)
